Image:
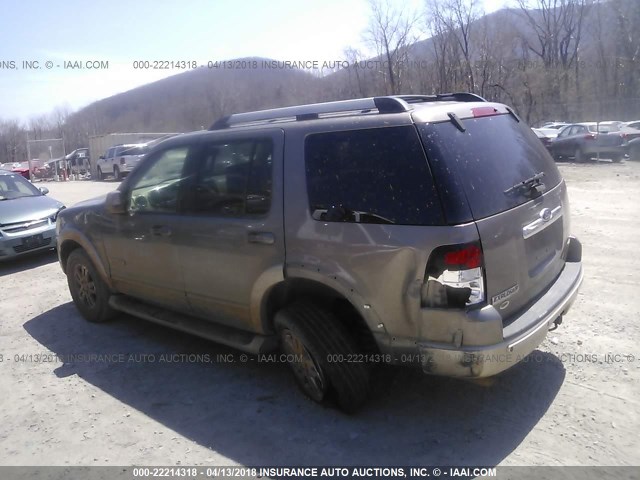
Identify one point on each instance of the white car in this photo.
(120, 160)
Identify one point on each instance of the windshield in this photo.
(15, 186)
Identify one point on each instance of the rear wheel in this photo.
(100, 175)
(90, 294)
(616, 158)
(116, 173)
(578, 156)
(319, 350)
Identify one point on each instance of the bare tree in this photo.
(390, 31)
(455, 22)
(12, 142)
(557, 34)
(627, 48)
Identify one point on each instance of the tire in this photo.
(116, 174)
(315, 334)
(616, 158)
(89, 292)
(100, 175)
(578, 156)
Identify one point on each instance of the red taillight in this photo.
(454, 277)
(122, 161)
(468, 257)
(484, 111)
(590, 136)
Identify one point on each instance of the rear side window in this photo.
(377, 175)
(492, 155)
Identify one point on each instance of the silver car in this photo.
(27, 217)
(583, 141)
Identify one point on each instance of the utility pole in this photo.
(29, 158)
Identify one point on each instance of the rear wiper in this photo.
(532, 183)
(358, 215)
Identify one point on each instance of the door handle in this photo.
(265, 238)
(161, 231)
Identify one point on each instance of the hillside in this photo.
(504, 66)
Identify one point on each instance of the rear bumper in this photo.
(520, 337)
(604, 150)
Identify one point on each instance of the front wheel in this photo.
(89, 292)
(322, 355)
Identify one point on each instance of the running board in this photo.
(232, 337)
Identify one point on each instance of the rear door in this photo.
(232, 237)
(522, 231)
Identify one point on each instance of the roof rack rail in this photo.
(386, 104)
(443, 97)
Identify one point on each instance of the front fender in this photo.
(70, 239)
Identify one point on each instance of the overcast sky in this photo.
(120, 32)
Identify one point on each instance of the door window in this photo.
(234, 179)
(157, 190)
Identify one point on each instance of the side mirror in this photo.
(44, 190)
(115, 202)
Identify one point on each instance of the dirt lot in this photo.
(569, 404)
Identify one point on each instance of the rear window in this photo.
(604, 128)
(488, 158)
(377, 175)
(136, 150)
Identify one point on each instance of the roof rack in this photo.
(386, 104)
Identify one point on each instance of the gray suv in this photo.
(411, 230)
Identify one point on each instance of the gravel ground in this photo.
(574, 402)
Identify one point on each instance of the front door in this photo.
(140, 246)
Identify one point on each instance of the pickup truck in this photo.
(120, 160)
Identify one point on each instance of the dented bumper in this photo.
(522, 336)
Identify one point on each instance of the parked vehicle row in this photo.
(587, 140)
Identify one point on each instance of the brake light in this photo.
(469, 257)
(122, 161)
(454, 277)
(484, 111)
